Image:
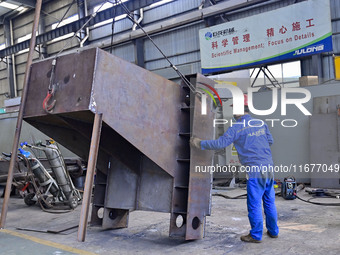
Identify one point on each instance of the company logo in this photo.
(208, 35)
(224, 32)
(310, 49)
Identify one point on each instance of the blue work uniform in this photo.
(252, 141)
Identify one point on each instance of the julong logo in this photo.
(309, 50)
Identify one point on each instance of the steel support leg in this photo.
(91, 165)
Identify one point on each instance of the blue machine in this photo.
(288, 188)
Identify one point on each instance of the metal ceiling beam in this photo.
(28, 3)
(194, 16)
(75, 26)
(14, 13)
(191, 17)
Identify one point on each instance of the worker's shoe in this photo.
(272, 236)
(249, 239)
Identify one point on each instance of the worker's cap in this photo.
(245, 100)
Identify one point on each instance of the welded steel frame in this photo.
(144, 158)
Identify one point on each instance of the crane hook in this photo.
(47, 105)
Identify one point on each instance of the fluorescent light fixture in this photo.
(22, 51)
(24, 38)
(60, 38)
(104, 7)
(109, 21)
(160, 3)
(2, 46)
(21, 8)
(123, 16)
(66, 21)
(9, 5)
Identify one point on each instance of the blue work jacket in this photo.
(252, 142)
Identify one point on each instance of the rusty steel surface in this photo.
(143, 108)
(4, 208)
(73, 79)
(129, 97)
(199, 197)
(144, 160)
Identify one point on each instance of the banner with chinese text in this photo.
(290, 32)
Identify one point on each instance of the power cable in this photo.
(82, 27)
(184, 79)
(68, 9)
(243, 196)
(330, 194)
(48, 14)
(317, 203)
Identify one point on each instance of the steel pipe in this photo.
(91, 166)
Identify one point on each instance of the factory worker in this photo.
(253, 146)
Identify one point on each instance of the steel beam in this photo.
(75, 26)
(28, 3)
(181, 20)
(42, 49)
(133, 5)
(10, 73)
(82, 12)
(91, 166)
(139, 52)
(199, 193)
(317, 66)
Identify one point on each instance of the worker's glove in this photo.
(195, 142)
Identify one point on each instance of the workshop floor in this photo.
(304, 229)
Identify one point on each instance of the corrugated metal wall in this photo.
(327, 61)
(180, 44)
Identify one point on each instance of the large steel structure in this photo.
(144, 158)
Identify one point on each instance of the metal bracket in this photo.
(272, 79)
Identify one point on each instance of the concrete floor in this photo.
(304, 229)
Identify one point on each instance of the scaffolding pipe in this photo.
(91, 166)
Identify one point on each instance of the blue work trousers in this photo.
(260, 188)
